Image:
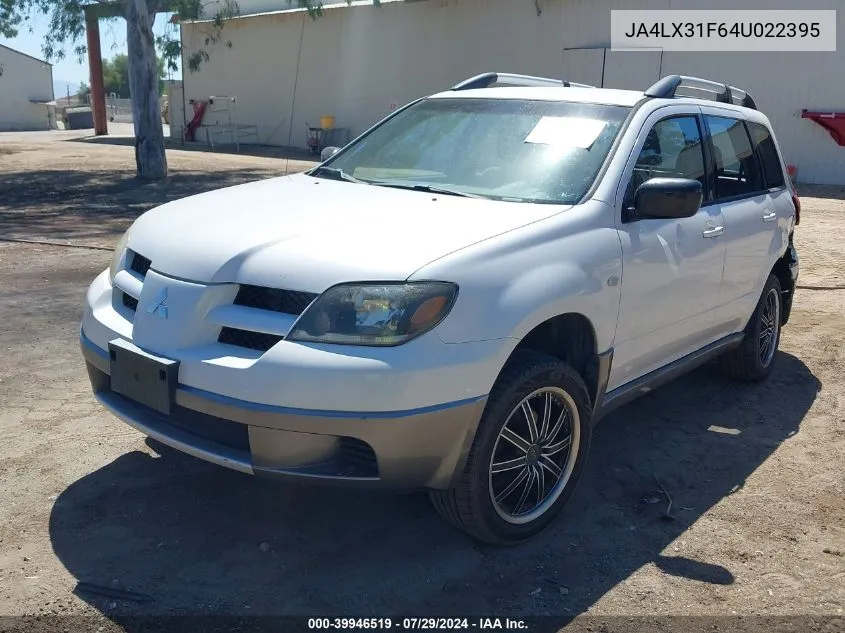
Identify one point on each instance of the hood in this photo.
(304, 233)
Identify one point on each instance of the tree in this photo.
(116, 75)
(84, 90)
(67, 23)
(67, 28)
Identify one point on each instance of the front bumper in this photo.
(420, 448)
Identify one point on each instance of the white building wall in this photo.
(24, 78)
(288, 70)
(259, 69)
(176, 106)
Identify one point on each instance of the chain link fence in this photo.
(119, 110)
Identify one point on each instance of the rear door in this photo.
(739, 191)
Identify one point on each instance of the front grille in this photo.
(244, 338)
(291, 302)
(286, 301)
(140, 264)
(129, 301)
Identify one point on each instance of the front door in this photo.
(671, 268)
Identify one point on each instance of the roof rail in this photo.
(666, 88)
(488, 79)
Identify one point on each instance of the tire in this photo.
(537, 379)
(749, 362)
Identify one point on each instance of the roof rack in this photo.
(666, 88)
(488, 79)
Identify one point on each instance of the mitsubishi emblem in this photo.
(160, 305)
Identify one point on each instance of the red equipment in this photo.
(833, 122)
(199, 113)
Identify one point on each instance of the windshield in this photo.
(527, 151)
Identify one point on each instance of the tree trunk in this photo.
(150, 158)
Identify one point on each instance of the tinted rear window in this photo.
(767, 153)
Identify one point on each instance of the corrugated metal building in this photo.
(26, 92)
(358, 62)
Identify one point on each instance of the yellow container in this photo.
(327, 122)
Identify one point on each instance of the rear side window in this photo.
(767, 154)
(736, 172)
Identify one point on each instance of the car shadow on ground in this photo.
(830, 192)
(75, 204)
(198, 539)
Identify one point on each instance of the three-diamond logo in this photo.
(159, 307)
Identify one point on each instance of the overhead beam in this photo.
(104, 10)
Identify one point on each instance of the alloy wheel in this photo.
(534, 455)
(769, 327)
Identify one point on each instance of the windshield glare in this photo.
(527, 151)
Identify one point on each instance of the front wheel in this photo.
(527, 455)
(754, 358)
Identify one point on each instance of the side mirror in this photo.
(668, 198)
(328, 152)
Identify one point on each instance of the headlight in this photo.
(378, 314)
(119, 251)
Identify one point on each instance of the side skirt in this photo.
(607, 402)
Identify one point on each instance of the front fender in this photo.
(559, 266)
(533, 297)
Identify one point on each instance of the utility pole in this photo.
(95, 66)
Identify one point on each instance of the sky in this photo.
(112, 42)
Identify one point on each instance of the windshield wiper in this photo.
(427, 189)
(337, 174)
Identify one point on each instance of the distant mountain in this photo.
(60, 88)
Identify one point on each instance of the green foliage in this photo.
(172, 50)
(66, 24)
(84, 90)
(116, 76)
(10, 18)
(66, 19)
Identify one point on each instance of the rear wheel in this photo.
(527, 455)
(754, 359)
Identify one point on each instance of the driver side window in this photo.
(672, 149)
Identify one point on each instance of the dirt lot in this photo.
(755, 473)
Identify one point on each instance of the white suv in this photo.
(451, 301)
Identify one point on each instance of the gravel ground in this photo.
(755, 473)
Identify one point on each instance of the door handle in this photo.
(713, 231)
(770, 216)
